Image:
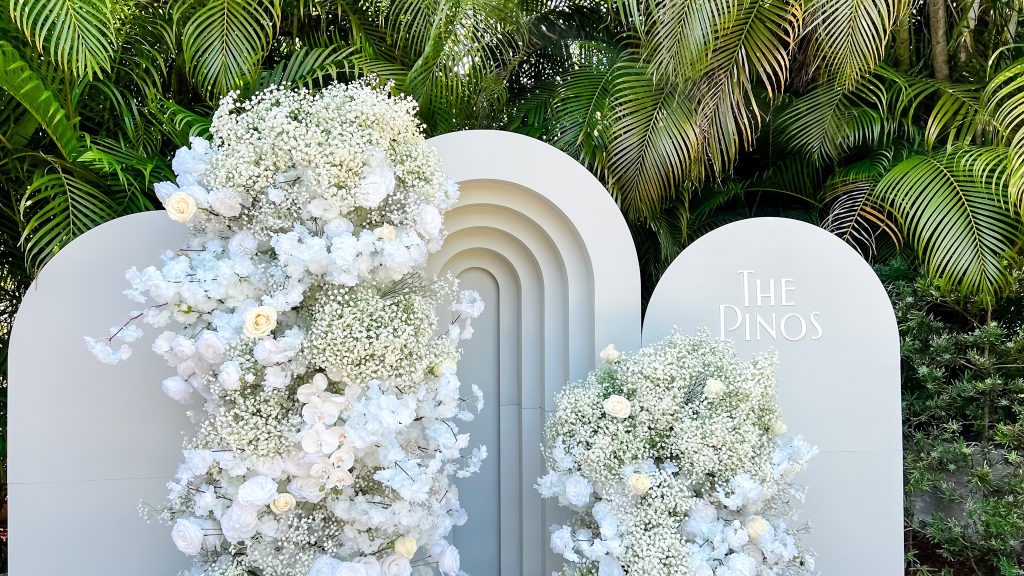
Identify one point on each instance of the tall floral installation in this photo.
(676, 462)
(301, 313)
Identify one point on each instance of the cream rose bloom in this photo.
(639, 484)
(610, 355)
(282, 503)
(180, 206)
(779, 428)
(759, 529)
(713, 388)
(259, 321)
(386, 232)
(617, 407)
(405, 547)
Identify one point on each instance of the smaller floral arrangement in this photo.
(676, 462)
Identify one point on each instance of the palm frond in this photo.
(18, 80)
(62, 202)
(655, 144)
(953, 208)
(79, 35)
(224, 41)
(849, 37)
(1004, 97)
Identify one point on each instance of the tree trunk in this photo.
(940, 47)
(903, 43)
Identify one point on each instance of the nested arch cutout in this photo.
(540, 238)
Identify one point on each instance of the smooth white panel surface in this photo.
(840, 388)
(88, 441)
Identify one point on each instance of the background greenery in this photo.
(896, 124)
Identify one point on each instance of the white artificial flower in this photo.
(578, 490)
(210, 347)
(322, 440)
(378, 182)
(738, 565)
(240, 522)
(307, 489)
(282, 503)
(617, 406)
(259, 321)
(230, 375)
(177, 388)
(759, 529)
(713, 388)
(428, 221)
(325, 566)
(226, 202)
(447, 558)
(609, 355)
(405, 546)
(180, 206)
(639, 484)
(257, 491)
(366, 566)
(395, 565)
(187, 535)
(386, 232)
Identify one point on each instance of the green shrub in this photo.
(963, 416)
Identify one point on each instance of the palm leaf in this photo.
(953, 209)
(1004, 97)
(224, 41)
(18, 80)
(854, 214)
(80, 35)
(61, 203)
(655, 144)
(849, 37)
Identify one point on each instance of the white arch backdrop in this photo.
(545, 245)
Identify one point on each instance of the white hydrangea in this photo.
(671, 459)
(306, 328)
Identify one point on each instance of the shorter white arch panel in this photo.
(773, 283)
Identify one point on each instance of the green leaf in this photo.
(80, 35)
(62, 202)
(1005, 105)
(953, 208)
(224, 41)
(17, 79)
(849, 36)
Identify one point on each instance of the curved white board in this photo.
(776, 283)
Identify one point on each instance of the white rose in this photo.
(230, 376)
(639, 484)
(325, 566)
(386, 232)
(282, 503)
(187, 536)
(617, 407)
(578, 490)
(448, 366)
(395, 565)
(210, 347)
(184, 348)
(736, 535)
(180, 206)
(257, 491)
(375, 187)
(177, 388)
(610, 355)
(308, 489)
(239, 523)
(760, 530)
(359, 567)
(242, 244)
(779, 428)
(713, 388)
(448, 561)
(428, 221)
(405, 547)
(226, 202)
(740, 565)
(259, 321)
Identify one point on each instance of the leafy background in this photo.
(896, 124)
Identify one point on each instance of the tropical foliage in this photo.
(896, 124)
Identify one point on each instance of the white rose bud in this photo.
(713, 388)
(610, 355)
(259, 322)
(282, 503)
(405, 547)
(639, 484)
(187, 536)
(779, 428)
(386, 232)
(180, 207)
(617, 407)
(759, 529)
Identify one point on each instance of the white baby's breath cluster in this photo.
(299, 313)
(676, 462)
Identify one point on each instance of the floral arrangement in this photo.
(300, 312)
(676, 462)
